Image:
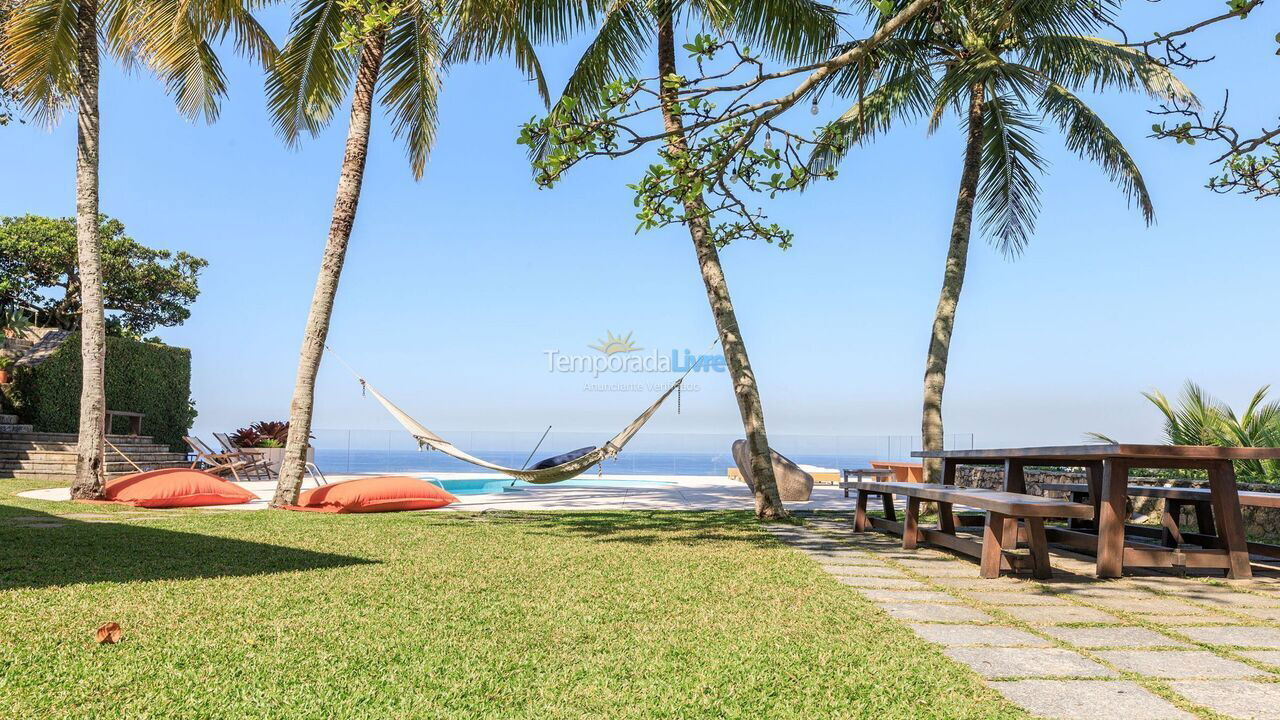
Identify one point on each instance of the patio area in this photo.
(1152, 645)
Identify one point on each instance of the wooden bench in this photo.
(1000, 531)
(1175, 499)
(135, 421)
(846, 484)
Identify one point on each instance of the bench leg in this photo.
(911, 528)
(1169, 518)
(992, 545)
(1039, 549)
(889, 513)
(860, 514)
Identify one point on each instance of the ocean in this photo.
(342, 461)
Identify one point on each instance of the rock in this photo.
(794, 484)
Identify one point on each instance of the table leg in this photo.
(889, 513)
(1114, 498)
(1169, 517)
(1015, 481)
(946, 516)
(1204, 519)
(1226, 508)
(1094, 474)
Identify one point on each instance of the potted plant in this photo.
(5, 362)
(267, 438)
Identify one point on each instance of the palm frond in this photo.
(785, 30)
(617, 50)
(171, 39)
(311, 76)
(1080, 63)
(411, 83)
(40, 41)
(1009, 194)
(902, 97)
(1090, 138)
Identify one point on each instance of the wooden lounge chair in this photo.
(230, 447)
(262, 466)
(222, 463)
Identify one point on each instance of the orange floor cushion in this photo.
(175, 487)
(384, 493)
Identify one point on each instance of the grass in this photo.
(531, 615)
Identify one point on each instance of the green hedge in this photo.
(141, 377)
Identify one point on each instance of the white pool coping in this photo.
(686, 492)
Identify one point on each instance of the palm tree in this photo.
(361, 47)
(1007, 69)
(801, 30)
(51, 49)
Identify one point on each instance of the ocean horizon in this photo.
(353, 461)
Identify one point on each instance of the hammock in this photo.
(564, 471)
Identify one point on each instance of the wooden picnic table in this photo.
(1108, 468)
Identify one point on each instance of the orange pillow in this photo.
(175, 487)
(375, 494)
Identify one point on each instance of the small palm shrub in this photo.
(262, 434)
(1199, 419)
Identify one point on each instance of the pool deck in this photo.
(686, 492)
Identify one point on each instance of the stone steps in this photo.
(52, 456)
(16, 428)
(129, 449)
(62, 456)
(47, 437)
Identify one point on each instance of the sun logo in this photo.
(615, 344)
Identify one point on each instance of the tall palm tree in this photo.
(51, 49)
(798, 30)
(337, 47)
(1007, 69)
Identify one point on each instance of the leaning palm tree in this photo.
(799, 30)
(1007, 69)
(364, 47)
(51, 50)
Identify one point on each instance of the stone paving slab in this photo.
(961, 635)
(1177, 664)
(1089, 700)
(1004, 583)
(1234, 698)
(1271, 657)
(1017, 598)
(909, 596)
(935, 613)
(952, 569)
(1271, 614)
(873, 571)
(1179, 621)
(882, 583)
(1113, 637)
(1240, 636)
(848, 569)
(1054, 615)
(998, 662)
(1144, 603)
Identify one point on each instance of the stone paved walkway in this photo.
(1073, 646)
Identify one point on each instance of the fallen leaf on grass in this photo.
(108, 633)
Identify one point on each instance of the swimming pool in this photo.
(487, 486)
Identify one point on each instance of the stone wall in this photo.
(1260, 523)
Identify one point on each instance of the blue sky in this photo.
(456, 286)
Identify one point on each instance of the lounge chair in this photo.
(263, 465)
(223, 463)
(229, 446)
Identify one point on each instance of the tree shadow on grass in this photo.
(643, 527)
(42, 550)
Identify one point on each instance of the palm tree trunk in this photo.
(768, 503)
(347, 198)
(944, 319)
(91, 446)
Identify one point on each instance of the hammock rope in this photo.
(557, 473)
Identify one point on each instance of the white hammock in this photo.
(564, 471)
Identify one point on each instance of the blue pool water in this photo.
(485, 486)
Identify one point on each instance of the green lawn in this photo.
(549, 615)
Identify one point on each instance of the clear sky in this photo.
(457, 286)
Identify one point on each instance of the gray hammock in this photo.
(564, 471)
